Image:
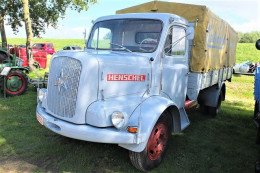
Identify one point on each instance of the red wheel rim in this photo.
(157, 141)
(21, 88)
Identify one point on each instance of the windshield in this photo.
(38, 45)
(136, 35)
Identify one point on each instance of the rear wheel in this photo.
(16, 83)
(215, 110)
(156, 146)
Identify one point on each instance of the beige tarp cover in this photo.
(214, 42)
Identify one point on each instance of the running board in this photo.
(184, 119)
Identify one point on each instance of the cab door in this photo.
(175, 65)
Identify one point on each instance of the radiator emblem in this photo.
(61, 81)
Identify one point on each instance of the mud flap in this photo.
(184, 119)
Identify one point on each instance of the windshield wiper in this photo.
(123, 48)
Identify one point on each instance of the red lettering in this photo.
(125, 77)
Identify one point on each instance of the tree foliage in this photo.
(249, 37)
(42, 12)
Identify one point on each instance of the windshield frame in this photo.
(115, 49)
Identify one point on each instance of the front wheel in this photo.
(156, 146)
(16, 83)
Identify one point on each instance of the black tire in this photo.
(14, 89)
(213, 111)
(147, 160)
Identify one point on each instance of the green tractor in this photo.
(16, 80)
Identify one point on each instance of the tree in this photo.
(28, 28)
(42, 13)
(249, 37)
(8, 7)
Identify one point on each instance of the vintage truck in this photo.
(138, 73)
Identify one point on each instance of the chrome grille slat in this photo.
(63, 103)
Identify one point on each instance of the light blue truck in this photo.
(134, 80)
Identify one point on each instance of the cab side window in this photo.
(175, 42)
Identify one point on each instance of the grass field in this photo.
(58, 43)
(222, 144)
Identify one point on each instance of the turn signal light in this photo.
(132, 129)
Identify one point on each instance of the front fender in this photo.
(25, 69)
(150, 110)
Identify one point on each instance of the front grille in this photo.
(63, 86)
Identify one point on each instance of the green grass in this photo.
(222, 144)
(247, 51)
(58, 43)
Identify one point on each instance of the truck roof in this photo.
(164, 17)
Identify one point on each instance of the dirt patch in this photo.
(13, 166)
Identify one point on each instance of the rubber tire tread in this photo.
(26, 83)
(139, 159)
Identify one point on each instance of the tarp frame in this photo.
(214, 41)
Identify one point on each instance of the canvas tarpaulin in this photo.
(214, 43)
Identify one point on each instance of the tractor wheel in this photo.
(16, 83)
(156, 146)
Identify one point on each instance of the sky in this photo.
(242, 15)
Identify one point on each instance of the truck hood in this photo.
(80, 82)
(123, 79)
(122, 73)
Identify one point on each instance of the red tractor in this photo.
(16, 81)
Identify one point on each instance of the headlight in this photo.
(119, 119)
(41, 94)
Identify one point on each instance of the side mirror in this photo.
(257, 44)
(190, 33)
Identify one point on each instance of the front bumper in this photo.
(85, 132)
